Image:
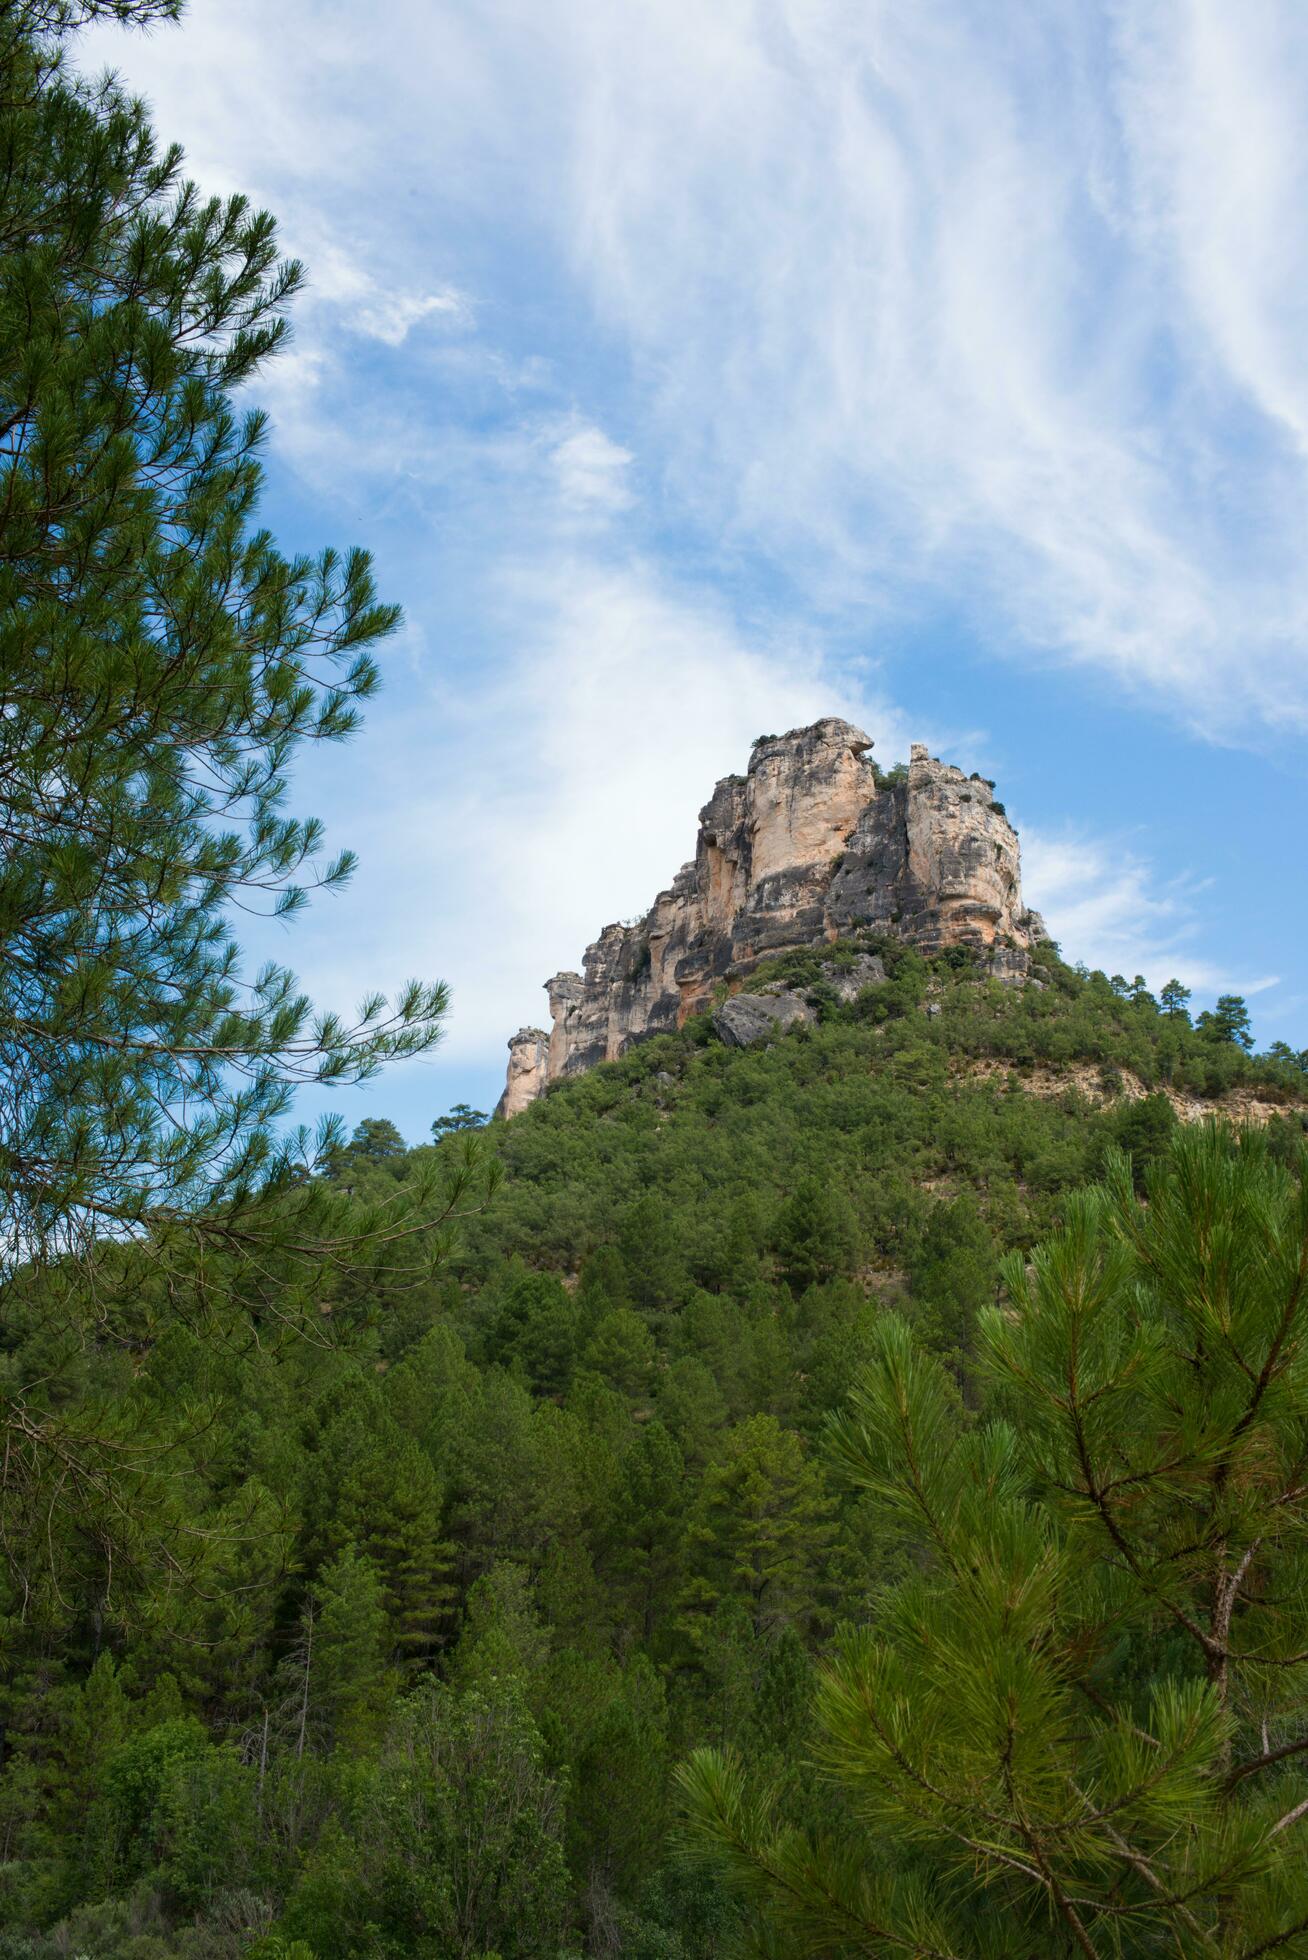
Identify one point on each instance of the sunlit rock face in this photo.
(806, 847)
(529, 1059)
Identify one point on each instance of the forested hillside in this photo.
(413, 1607)
(841, 1495)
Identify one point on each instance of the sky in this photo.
(694, 371)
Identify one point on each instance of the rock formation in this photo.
(529, 1055)
(807, 847)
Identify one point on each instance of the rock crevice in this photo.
(809, 846)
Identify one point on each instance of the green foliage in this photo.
(1228, 1021)
(1144, 1131)
(814, 1235)
(573, 1492)
(455, 1840)
(758, 1532)
(535, 1328)
(1174, 998)
(375, 1141)
(388, 1506)
(1077, 1726)
(461, 1117)
(622, 1352)
(345, 1651)
(161, 663)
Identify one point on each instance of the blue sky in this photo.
(694, 371)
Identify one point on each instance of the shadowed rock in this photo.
(747, 1018)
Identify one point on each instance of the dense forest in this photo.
(841, 1496)
(457, 1577)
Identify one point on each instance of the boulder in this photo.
(747, 1018)
(848, 982)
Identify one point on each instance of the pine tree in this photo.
(536, 1329)
(1175, 999)
(350, 1683)
(161, 664)
(1228, 1021)
(461, 1117)
(649, 1524)
(390, 1509)
(502, 1637)
(650, 1261)
(622, 1353)
(1079, 1727)
(759, 1530)
(603, 1282)
(813, 1235)
(375, 1141)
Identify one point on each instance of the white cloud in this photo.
(592, 470)
(1106, 905)
(391, 316)
(913, 297)
(917, 299)
(365, 304)
(561, 797)
(1213, 101)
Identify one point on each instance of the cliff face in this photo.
(803, 848)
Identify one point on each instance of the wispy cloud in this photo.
(912, 296)
(1108, 906)
(677, 355)
(593, 470)
(987, 322)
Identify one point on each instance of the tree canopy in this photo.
(162, 662)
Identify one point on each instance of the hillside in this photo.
(540, 1528)
(822, 1473)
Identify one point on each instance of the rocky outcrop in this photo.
(809, 846)
(529, 1070)
(848, 982)
(747, 1018)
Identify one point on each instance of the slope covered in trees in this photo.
(453, 1551)
(441, 1591)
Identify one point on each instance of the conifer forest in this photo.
(838, 1494)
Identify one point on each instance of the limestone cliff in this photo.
(808, 846)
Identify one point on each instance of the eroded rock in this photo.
(848, 982)
(528, 1073)
(805, 848)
